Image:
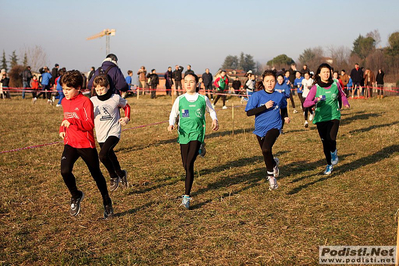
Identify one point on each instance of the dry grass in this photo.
(235, 219)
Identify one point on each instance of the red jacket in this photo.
(79, 112)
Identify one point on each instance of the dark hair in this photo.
(72, 78)
(113, 57)
(192, 74)
(343, 70)
(280, 75)
(62, 71)
(316, 75)
(152, 70)
(259, 85)
(129, 71)
(101, 80)
(56, 65)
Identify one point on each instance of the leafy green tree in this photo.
(393, 40)
(230, 62)
(280, 61)
(4, 62)
(249, 63)
(363, 46)
(13, 59)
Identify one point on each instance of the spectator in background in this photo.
(369, 81)
(54, 74)
(26, 77)
(153, 81)
(177, 76)
(110, 67)
(168, 81)
(344, 79)
(5, 80)
(91, 73)
(380, 83)
(129, 82)
(357, 76)
(336, 78)
(142, 73)
(189, 70)
(304, 70)
(208, 79)
(236, 85)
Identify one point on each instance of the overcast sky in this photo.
(158, 33)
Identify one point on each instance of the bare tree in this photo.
(375, 34)
(340, 56)
(36, 57)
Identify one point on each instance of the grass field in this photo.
(235, 219)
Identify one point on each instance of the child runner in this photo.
(327, 95)
(191, 107)
(268, 106)
(307, 84)
(34, 85)
(221, 84)
(108, 121)
(283, 88)
(288, 82)
(298, 85)
(77, 131)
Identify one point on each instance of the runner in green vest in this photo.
(191, 107)
(327, 96)
(221, 84)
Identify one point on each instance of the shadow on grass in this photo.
(161, 183)
(134, 210)
(371, 159)
(359, 116)
(361, 130)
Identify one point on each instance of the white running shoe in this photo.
(213, 106)
(334, 157)
(328, 170)
(58, 105)
(272, 183)
(306, 125)
(224, 107)
(34, 100)
(311, 116)
(295, 111)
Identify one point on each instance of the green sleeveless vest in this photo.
(192, 120)
(329, 109)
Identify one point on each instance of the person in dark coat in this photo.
(380, 83)
(357, 76)
(153, 81)
(207, 78)
(110, 67)
(168, 80)
(177, 76)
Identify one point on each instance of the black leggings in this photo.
(108, 157)
(328, 133)
(189, 153)
(266, 143)
(292, 99)
(90, 157)
(218, 97)
(306, 110)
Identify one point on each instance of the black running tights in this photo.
(90, 157)
(108, 157)
(266, 143)
(189, 153)
(328, 133)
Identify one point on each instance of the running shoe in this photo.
(276, 171)
(306, 125)
(334, 157)
(123, 179)
(58, 105)
(186, 202)
(272, 183)
(311, 116)
(34, 100)
(224, 107)
(75, 204)
(295, 111)
(202, 150)
(328, 170)
(213, 106)
(114, 183)
(108, 211)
